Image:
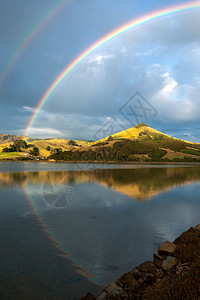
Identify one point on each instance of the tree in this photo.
(48, 148)
(110, 138)
(72, 143)
(16, 146)
(6, 149)
(56, 150)
(35, 151)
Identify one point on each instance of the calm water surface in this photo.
(67, 229)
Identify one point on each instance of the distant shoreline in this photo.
(103, 162)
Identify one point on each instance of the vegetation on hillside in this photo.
(16, 146)
(143, 149)
(140, 144)
(35, 151)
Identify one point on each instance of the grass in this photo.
(9, 155)
(137, 132)
(54, 143)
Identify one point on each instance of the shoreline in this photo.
(103, 162)
(174, 273)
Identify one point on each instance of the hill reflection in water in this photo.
(108, 228)
(139, 183)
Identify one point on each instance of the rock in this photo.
(113, 291)
(185, 264)
(89, 296)
(150, 269)
(136, 274)
(197, 227)
(166, 249)
(159, 273)
(169, 263)
(179, 270)
(127, 282)
(157, 260)
(145, 274)
(147, 267)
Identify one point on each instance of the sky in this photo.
(150, 74)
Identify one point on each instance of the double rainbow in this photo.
(102, 42)
(32, 33)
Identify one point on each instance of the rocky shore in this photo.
(174, 273)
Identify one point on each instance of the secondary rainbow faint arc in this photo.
(29, 37)
(103, 41)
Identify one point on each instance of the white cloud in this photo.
(169, 84)
(28, 108)
(45, 131)
(99, 59)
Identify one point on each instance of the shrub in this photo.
(35, 151)
(72, 143)
(110, 138)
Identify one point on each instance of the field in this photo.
(10, 155)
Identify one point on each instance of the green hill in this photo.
(139, 143)
(46, 146)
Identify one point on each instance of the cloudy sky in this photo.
(151, 74)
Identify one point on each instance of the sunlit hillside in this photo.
(55, 143)
(140, 143)
(42, 144)
(137, 132)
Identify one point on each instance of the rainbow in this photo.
(47, 17)
(146, 19)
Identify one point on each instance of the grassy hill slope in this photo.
(139, 143)
(42, 144)
(6, 139)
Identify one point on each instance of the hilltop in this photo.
(140, 143)
(135, 132)
(10, 138)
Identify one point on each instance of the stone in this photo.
(179, 270)
(127, 282)
(147, 267)
(159, 273)
(145, 274)
(157, 260)
(113, 291)
(137, 275)
(166, 249)
(197, 227)
(169, 263)
(89, 296)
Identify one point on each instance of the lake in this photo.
(67, 229)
